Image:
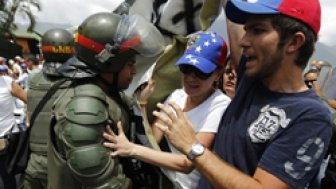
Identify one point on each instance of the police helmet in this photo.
(106, 41)
(57, 45)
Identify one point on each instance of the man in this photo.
(35, 176)
(106, 46)
(17, 71)
(276, 131)
(29, 69)
(33, 65)
(312, 78)
(328, 166)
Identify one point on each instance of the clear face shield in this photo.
(134, 32)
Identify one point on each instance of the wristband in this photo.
(324, 99)
(142, 102)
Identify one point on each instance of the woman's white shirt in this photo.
(204, 118)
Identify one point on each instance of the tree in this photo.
(10, 8)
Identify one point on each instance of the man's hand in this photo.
(176, 127)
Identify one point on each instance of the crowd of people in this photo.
(238, 121)
(19, 70)
(10, 90)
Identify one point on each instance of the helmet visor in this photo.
(134, 32)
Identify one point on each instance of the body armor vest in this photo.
(76, 156)
(38, 87)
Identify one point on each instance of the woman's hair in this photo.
(228, 64)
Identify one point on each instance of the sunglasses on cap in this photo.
(188, 69)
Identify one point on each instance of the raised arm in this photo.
(235, 33)
(18, 92)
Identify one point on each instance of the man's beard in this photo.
(269, 68)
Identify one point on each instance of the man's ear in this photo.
(296, 42)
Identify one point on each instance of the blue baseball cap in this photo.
(23, 66)
(306, 11)
(3, 68)
(205, 50)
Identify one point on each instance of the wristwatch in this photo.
(197, 149)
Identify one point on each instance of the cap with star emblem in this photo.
(205, 50)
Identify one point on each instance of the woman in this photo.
(201, 67)
(9, 89)
(228, 82)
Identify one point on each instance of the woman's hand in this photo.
(118, 144)
(145, 91)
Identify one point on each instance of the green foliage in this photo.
(10, 8)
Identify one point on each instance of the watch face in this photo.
(198, 148)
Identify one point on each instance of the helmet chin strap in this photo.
(115, 82)
(113, 90)
(111, 86)
(115, 93)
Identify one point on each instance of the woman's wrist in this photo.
(133, 150)
(142, 102)
(324, 98)
(137, 150)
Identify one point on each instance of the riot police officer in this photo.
(106, 48)
(57, 46)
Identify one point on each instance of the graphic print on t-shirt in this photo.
(267, 124)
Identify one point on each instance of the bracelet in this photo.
(142, 102)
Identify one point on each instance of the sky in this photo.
(328, 28)
(75, 11)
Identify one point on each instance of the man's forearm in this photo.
(221, 175)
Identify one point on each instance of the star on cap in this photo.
(207, 43)
(189, 56)
(194, 61)
(198, 49)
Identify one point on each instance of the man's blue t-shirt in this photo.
(285, 134)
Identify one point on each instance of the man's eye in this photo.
(131, 62)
